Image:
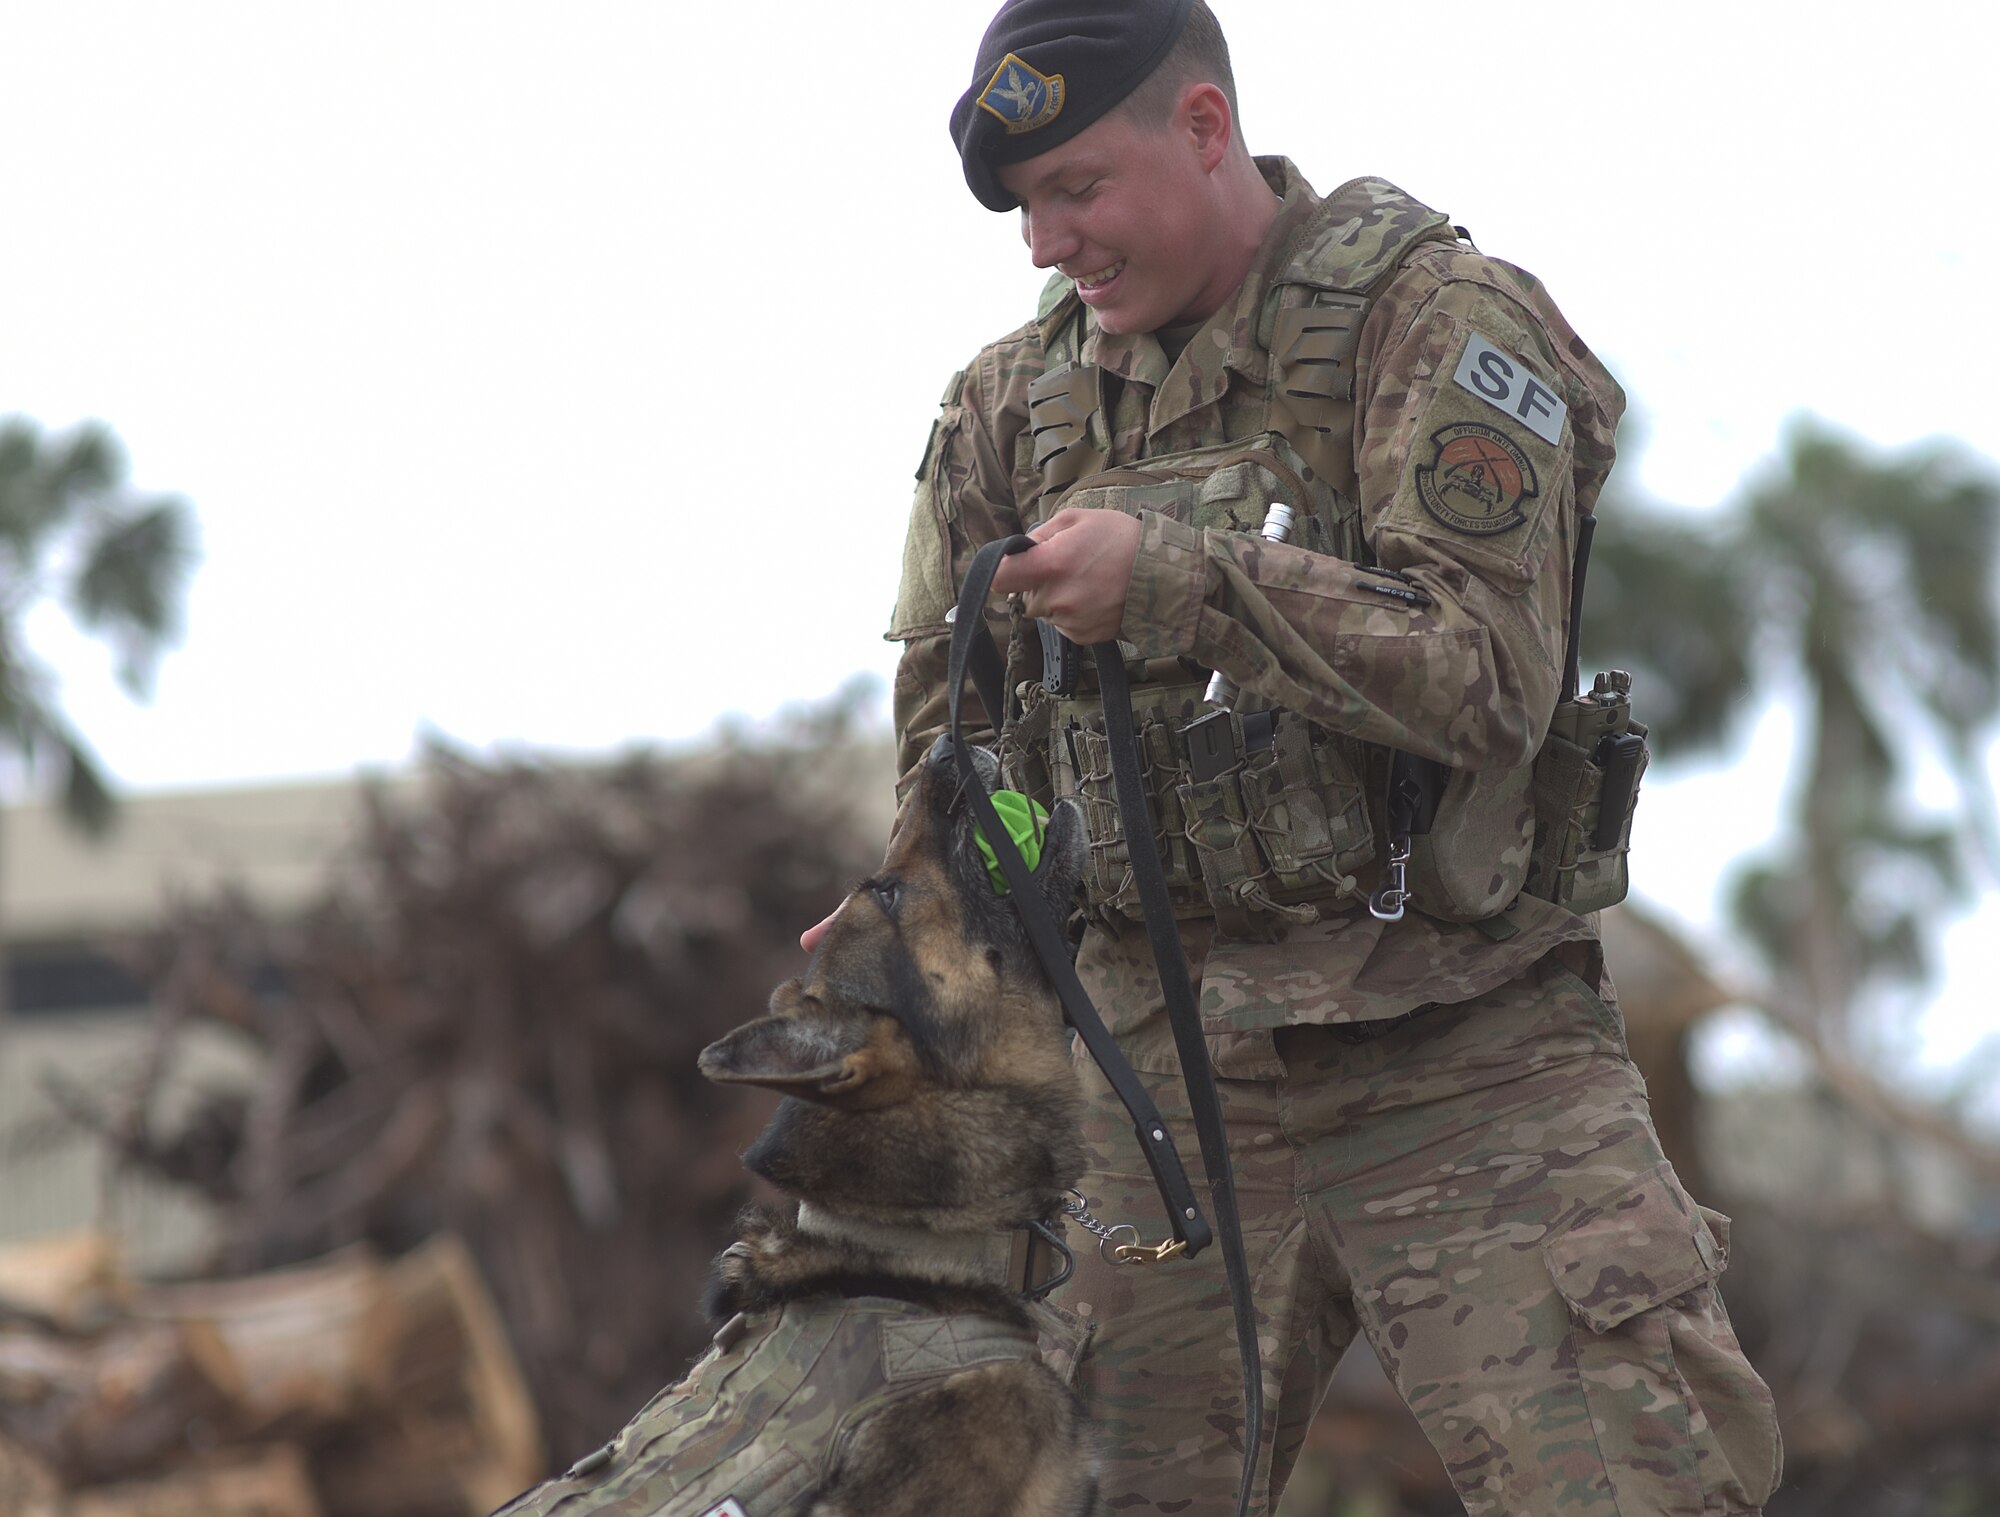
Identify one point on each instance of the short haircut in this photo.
(1200, 55)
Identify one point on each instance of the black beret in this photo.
(1046, 70)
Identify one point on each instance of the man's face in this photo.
(1131, 214)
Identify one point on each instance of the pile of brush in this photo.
(487, 1029)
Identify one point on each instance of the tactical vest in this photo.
(755, 1428)
(1293, 825)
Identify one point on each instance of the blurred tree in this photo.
(72, 528)
(1858, 589)
(1865, 584)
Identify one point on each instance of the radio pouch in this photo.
(1586, 788)
(1586, 778)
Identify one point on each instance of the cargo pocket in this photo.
(1742, 1451)
(1683, 1424)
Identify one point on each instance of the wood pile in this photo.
(348, 1386)
(488, 1029)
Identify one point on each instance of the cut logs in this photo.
(344, 1388)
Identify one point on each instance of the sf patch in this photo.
(1508, 385)
(1022, 96)
(1477, 480)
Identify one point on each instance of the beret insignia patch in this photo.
(1022, 96)
(1477, 479)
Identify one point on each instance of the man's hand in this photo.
(1078, 574)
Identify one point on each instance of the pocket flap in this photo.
(1062, 1338)
(1640, 1249)
(1718, 1232)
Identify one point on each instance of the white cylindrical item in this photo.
(1221, 690)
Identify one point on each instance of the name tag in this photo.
(1507, 384)
(728, 1508)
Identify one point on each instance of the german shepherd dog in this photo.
(876, 1353)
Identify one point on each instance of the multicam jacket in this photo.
(1480, 427)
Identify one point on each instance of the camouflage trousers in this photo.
(1480, 1193)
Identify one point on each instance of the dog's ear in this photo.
(799, 1056)
(1065, 851)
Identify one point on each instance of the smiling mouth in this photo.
(1101, 278)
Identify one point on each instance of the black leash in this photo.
(1177, 987)
(1044, 933)
(972, 651)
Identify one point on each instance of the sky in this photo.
(554, 376)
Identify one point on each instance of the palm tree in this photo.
(1867, 583)
(71, 528)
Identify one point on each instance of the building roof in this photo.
(277, 842)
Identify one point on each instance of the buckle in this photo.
(1036, 1247)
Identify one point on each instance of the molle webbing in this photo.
(1061, 405)
(1283, 825)
(1283, 828)
(1312, 382)
(1310, 327)
(924, 1347)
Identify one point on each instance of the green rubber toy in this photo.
(1024, 820)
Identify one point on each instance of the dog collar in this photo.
(1028, 1260)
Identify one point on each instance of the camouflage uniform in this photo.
(759, 1423)
(1440, 1136)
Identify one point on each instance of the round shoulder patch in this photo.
(1477, 479)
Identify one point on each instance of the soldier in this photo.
(1439, 1137)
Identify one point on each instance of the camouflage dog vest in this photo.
(755, 1428)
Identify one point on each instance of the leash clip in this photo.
(1386, 904)
(1109, 1249)
(1147, 1253)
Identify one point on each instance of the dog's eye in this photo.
(888, 893)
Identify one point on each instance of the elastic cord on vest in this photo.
(1176, 983)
